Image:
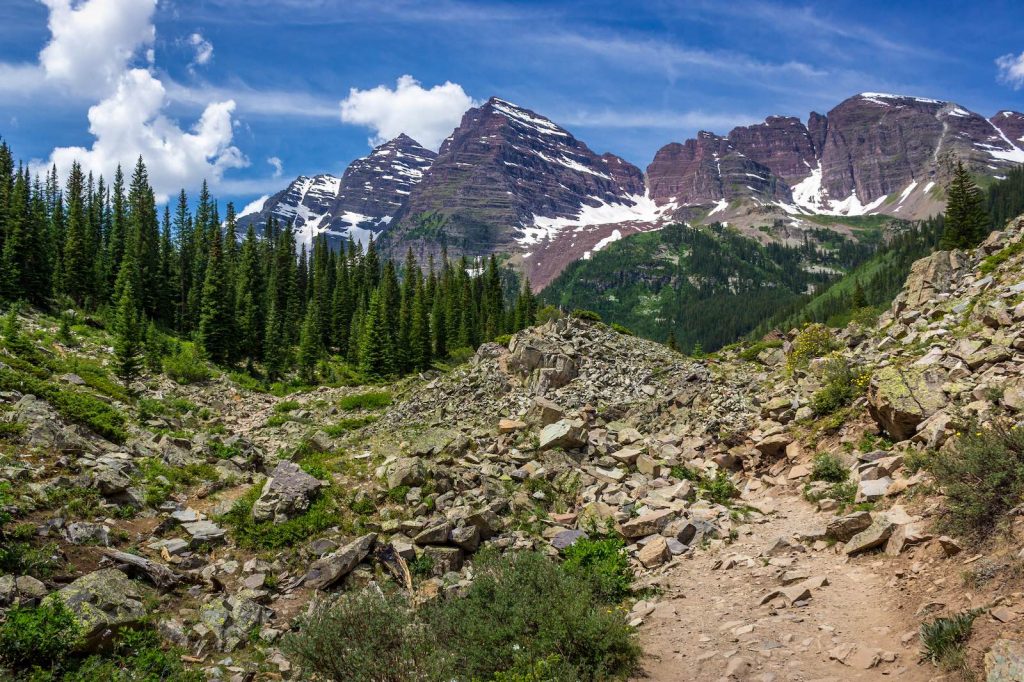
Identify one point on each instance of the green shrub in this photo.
(373, 400)
(322, 514)
(76, 501)
(460, 355)
(349, 424)
(287, 406)
(186, 366)
(719, 489)
(422, 566)
(547, 313)
(136, 657)
(588, 315)
(622, 329)
(982, 477)
(11, 429)
(814, 341)
(75, 406)
(844, 493)
(943, 639)
(162, 479)
(603, 563)
(751, 352)
(842, 384)
(503, 340)
(828, 467)
(989, 265)
(366, 636)
(397, 494)
(522, 608)
(38, 636)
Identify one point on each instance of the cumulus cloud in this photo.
(94, 51)
(278, 166)
(1011, 70)
(130, 123)
(203, 50)
(93, 42)
(426, 115)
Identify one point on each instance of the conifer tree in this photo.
(76, 265)
(250, 298)
(275, 344)
(419, 332)
(310, 346)
(127, 335)
(216, 320)
(967, 222)
(376, 358)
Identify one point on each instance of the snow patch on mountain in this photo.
(642, 209)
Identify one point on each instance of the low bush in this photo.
(588, 315)
(41, 636)
(828, 467)
(943, 639)
(524, 619)
(372, 400)
(343, 426)
(751, 352)
(982, 477)
(604, 564)
(11, 429)
(622, 329)
(989, 265)
(460, 355)
(287, 406)
(547, 313)
(161, 479)
(366, 636)
(186, 366)
(503, 340)
(842, 384)
(814, 341)
(322, 514)
(718, 488)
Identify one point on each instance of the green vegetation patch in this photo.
(322, 514)
(372, 400)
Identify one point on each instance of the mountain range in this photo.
(509, 180)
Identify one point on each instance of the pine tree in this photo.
(127, 335)
(310, 346)
(251, 298)
(216, 320)
(419, 332)
(671, 341)
(153, 348)
(858, 299)
(275, 344)
(967, 222)
(376, 357)
(77, 260)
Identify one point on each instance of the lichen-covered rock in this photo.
(562, 434)
(102, 602)
(1004, 662)
(286, 494)
(900, 398)
(407, 471)
(330, 569)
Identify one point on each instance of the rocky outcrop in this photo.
(102, 603)
(901, 398)
(928, 278)
(287, 493)
(782, 144)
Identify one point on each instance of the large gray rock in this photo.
(562, 434)
(900, 398)
(843, 528)
(407, 471)
(286, 494)
(102, 602)
(874, 536)
(928, 277)
(328, 570)
(647, 524)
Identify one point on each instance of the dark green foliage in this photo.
(366, 636)
(344, 426)
(186, 366)
(982, 478)
(522, 608)
(588, 315)
(842, 384)
(249, 534)
(967, 223)
(373, 400)
(128, 335)
(72, 404)
(943, 639)
(522, 614)
(41, 636)
(604, 563)
(827, 467)
(718, 488)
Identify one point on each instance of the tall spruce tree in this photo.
(967, 222)
(216, 319)
(128, 333)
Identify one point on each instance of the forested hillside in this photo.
(106, 249)
(705, 285)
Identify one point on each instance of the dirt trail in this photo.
(708, 623)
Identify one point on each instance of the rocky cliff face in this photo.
(361, 202)
(500, 179)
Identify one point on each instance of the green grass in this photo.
(344, 426)
(604, 563)
(249, 534)
(943, 639)
(372, 400)
(162, 480)
(287, 406)
(989, 265)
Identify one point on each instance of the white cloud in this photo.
(428, 116)
(203, 50)
(130, 122)
(278, 166)
(93, 42)
(1011, 70)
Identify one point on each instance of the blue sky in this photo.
(248, 92)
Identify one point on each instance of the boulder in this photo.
(102, 603)
(286, 494)
(928, 277)
(545, 412)
(564, 434)
(874, 536)
(328, 570)
(647, 524)
(843, 528)
(407, 471)
(654, 553)
(1004, 661)
(900, 398)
